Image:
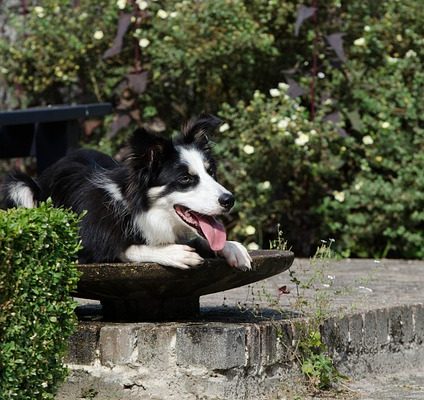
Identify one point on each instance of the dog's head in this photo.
(178, 178)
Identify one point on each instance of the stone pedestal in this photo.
(152, 292)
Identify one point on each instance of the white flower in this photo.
(143, 43)
(248, 149)
(313, 132)
(174, 14)
(359, 185)
(321, 75)
(121, 4)
(224, 127)
(257, 94)
(367, 28)
(339, 196)
(252, 246)
(264, 185)
(399, 37)
(283, 86)
(274, 92)
(98, 35)
(302, 139)
(385, 125)
(250, 230)
(360, 42)
(392, 60)
(39, 11)
(410, 53)
(162, 14)
(44, 384)
(328, 102)
(367, 140)
(283, 123)
(142, 5)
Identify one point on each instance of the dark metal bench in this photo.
(47, 133)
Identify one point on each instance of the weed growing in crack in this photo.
(310, 352)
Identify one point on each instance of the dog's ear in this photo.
(197, 130)
(147, 151)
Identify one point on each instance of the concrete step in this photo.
(230, 352)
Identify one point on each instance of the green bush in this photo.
(281, 165)
(37, 252)
(55, 53)
(379, 213)
(203, 53)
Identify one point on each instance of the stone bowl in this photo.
(149, 291)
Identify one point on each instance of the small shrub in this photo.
(37, 252)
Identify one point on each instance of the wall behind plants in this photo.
(354, 70)
(37, 273)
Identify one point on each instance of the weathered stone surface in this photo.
(156, 345)
(83, 344)
(401, 325)
(418, 312)
(215, 347)
(370, 331)
(118, 344)
(341, 334)
(253, 347)
(355, 333)
(285, 337)
(383, 332)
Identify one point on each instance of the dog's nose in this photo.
(226, 201)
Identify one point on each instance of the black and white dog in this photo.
(159, 205)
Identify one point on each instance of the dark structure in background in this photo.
(47, 133)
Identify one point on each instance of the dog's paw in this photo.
(179, 256)
(174, 255)
(236, 255)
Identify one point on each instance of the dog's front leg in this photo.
(236, 255)
(173, 255)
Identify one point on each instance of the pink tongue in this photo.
(213, 230)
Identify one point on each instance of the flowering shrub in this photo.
(53, 54)
(281, 166)
(357, 63)
(380, 212)
(202, 53)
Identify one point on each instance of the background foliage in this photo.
(37, 251)
(355, 75)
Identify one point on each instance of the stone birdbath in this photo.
(149, 291)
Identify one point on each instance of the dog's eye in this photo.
(186, 180)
